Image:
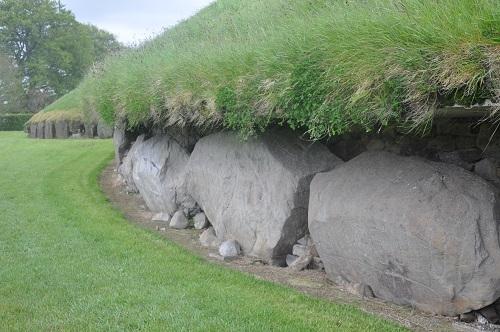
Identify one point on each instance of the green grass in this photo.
(67, 108)
(325, 66)
(69, 261)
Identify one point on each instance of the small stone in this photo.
(200, 221)
(162, 217)
(300, 250)
(317, 264)
(157, 227)
(229, 249)
(163, 229)
(468, 317)
(301, 263)
(305, 240)
(482, 320)
(290, 259)
(179, 221)
(209, 239)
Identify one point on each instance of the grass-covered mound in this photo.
(67, 108)
(322, 65)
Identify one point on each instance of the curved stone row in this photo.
(66, 129)
(405, 229)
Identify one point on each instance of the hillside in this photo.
(323, 66)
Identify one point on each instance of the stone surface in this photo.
(317, 264)
(488, 169)
(104, 130)
(50, 130)
(62, 129)
(162, 217)
(290, 259)
(200, 221)
(90, 129)
(121, 141)
(40, 130)
(156, 168)
(229, 249)
(463, 158)
(305, 240)
(300, 250)
(301, 263)
(256, 191)
(418, 233)
(209, 239)
(179, 221)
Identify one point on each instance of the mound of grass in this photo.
(67, 108)
(70, 262)
(326, 66)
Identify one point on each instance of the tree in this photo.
(12, 98)
(51, 49)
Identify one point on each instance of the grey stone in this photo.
(90, 129)
(317, 264)
(419, 233)
(62, 129)
(256, 191)
(463, 158)
(487, 169)
(162, 217)
(305, 240)
(200, 221)
(229, 249)
(50, 130)
(179, 221)
(301, 263)
(156, 168)
(104, 130)
(126, 166)
(40, 130)
(121, 141)
(300, 250)
(468, 317)
(290, 259)
(32, 130)
(209, 239)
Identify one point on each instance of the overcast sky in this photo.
(133, 20)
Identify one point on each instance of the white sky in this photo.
(132, 21)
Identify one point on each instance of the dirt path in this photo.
(310, 282)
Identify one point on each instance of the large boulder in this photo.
(256, 191)
(104, 130)
(122, 140)
(417, 232)
(50, 130)
(40, 131)
(156, 168)
(62, 129)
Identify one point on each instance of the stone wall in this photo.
(407, 218)
(68, 129)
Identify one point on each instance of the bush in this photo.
(13, 122)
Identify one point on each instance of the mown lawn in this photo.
(69, 261)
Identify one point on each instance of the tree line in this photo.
(44, 52)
